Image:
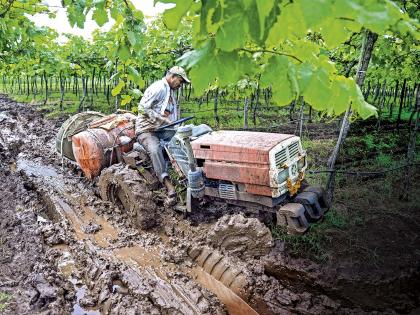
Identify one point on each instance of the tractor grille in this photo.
(281, 156)
(293, 150)
(227, 191)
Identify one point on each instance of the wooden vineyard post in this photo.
(246, 113)
(216, 101)
(46, 88)
(402, 96)
(302, 107)
(62, 86)
(365, 55)
(27, 86)
(411, 150)
(84, 85)
(367, 91)
(381, 105)
(395, 99)
(257, 97)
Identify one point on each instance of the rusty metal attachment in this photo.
(309, 200)
(293, 216)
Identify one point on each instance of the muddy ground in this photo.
(65, 251)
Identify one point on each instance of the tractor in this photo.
(261, 173)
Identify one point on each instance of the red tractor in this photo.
(258, 172)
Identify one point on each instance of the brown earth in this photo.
(64, 250)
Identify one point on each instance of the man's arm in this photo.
(146, 106)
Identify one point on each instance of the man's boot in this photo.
(171, 199)
(170, 187)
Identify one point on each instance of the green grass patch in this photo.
(314, 243)
(4, 299)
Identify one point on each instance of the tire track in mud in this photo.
(141, 260)
(144, 262)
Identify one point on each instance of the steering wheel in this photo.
(176, 122)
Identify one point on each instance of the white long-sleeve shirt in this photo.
(157, 98)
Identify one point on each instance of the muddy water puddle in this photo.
(142, 256)
(80, 294)
(34, 169)
(103, 236)
(67, 266)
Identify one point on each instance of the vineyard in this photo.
(341, 75)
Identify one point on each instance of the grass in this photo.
(357, 199)
(314, 243)
(4, 299)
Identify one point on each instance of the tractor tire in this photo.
(222, 268)
(241, 236)
(127, 189)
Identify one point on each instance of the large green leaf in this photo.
(276, 75)
(125, 99)
(264, 8)
(203, 74)
(132, 38)
(172, 17)
(123, 52)
(286, 27)
(228, 68)
(364, 109)
(340, 99)
(100, 15)
(231, 35)
(136, 93)
(117, 89)
(315, 85)
(315, 11)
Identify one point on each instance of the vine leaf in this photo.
(100, 15)
(172, 17)
(117, 89)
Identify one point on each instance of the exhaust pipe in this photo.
(195, 176)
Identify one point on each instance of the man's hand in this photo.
(166, 121)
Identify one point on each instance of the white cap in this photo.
(181, 72)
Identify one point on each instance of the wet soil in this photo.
(64, 250)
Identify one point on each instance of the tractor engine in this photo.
(257, 170)
(251, 165)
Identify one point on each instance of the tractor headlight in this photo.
(283, 175)
(301, 163)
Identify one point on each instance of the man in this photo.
(159, 107)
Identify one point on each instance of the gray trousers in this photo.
(150, 141)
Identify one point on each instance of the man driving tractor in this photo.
(159, 107)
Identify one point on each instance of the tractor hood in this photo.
(237, 146)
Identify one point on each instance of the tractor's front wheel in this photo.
(128, 190)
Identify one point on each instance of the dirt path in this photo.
(64, 250)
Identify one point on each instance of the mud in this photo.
(66, 250)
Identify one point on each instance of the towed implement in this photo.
(260, 173)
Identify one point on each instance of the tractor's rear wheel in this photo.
(241, 236)
(128, 190)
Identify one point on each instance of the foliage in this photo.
(274, 40)
(293, 48)
(126, 54)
